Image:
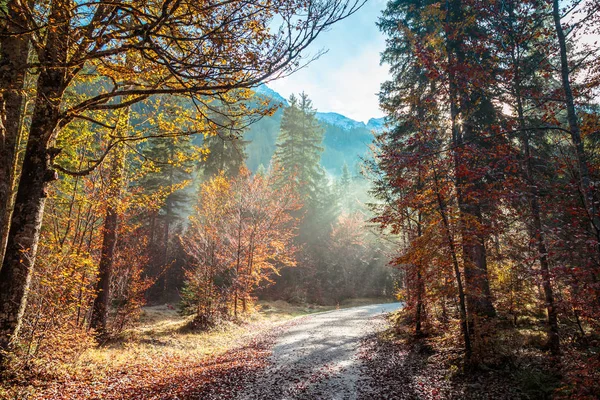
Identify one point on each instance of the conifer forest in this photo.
(312, 200)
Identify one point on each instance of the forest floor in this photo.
(516, 365)
(408, 368)
(356, 351)
(162, 359)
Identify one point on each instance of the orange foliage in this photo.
(240, 235)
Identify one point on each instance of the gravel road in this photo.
(316, 357)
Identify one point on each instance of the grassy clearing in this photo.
(161, 340)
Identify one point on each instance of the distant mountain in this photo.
(339, 120)
(376, 124)
(345, 140)
(266, 92)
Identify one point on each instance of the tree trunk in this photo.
(538, 234)
(464, 325)
(26, 222)
(479, 300)
(584, 175)
(164, 281)
(420, 286)
(166, 260)
(101, 305)
(553, 332)
(36, 173)
(102, 301)
(13, 63)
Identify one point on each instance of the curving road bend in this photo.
(317, 357)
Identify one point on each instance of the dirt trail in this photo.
(316, 358)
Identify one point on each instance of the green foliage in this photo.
(226, 147)
(299, 147)
(169, 163)
(340, 145)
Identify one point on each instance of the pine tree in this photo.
(441, 67)
(297, 160)
(226, 147)
(226, 153)
(170, 163)
(344, 188)
(298, 155)
(299, 149)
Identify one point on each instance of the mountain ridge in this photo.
(345, 140)
(330, 117)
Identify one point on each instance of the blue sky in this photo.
(346, 79)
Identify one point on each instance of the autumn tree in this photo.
(473, 172)
(521, 43)
(191, 49)
(240, 235)
(109, 242)
(441, 112)
(472, 116)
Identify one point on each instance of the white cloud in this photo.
(347, 78)
(349, 88)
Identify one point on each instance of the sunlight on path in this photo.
(317, 357)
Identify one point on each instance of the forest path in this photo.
(317, 357)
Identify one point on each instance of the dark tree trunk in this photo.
(26, 222)
(166, 260)
(13, 63)
(457, 274)
(36, 173)
(553, 332)
(419, 284)
(538, 233)
(479, 298)
(584, 174)
(101, 305)
(478, 295)
(102, 301)
(420, 287)
(539, 237)
(163, 282)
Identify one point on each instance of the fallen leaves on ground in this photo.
(402, 370)
(172, 377)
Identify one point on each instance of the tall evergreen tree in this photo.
(344, 189)
(438, 169)
(170, 162)
(298, 154)
(297, 157)
(524, 62)
(226, 153)
(299, 148)
(226, 147)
